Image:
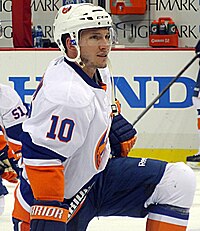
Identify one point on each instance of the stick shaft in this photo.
(166, 88)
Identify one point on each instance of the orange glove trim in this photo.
(16, 148)
(12, 154)
(127, 145)
(10, 175)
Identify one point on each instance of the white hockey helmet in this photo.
(73, 18)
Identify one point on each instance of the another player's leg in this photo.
(172, 199)
(194, 160)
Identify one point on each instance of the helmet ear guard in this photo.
(73, 18)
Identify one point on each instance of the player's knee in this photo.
(176, 188)
(173, 197)
(185, 183)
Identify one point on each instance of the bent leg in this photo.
(120, 190)
(127, 184)
(170, 203)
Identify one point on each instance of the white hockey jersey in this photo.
(70, 117)
(12, 114)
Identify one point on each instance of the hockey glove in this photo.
(49, 216)
(122, 136)
(6, 170)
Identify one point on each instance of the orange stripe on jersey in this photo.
(3, 142)
(47, 182)
(153, 225)
(103, 86)
(198, 123)
(52, 213)
(18, 211)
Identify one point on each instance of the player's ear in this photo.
(69, 45)
(71, 50)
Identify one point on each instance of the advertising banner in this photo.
(139, 77)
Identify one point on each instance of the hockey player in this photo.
(12, 114)
(194, 161)
(68, 176)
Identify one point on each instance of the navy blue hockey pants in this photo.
(120, 190)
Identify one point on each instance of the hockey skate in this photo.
(194, 161)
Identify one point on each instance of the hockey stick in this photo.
(197, 48)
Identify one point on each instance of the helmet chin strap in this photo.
(114, 107)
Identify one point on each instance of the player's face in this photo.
(94, 46)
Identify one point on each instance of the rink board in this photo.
(167, 131)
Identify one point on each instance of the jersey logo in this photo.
(100, 149)
(66, 9)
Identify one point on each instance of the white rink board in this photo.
(161, 127)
